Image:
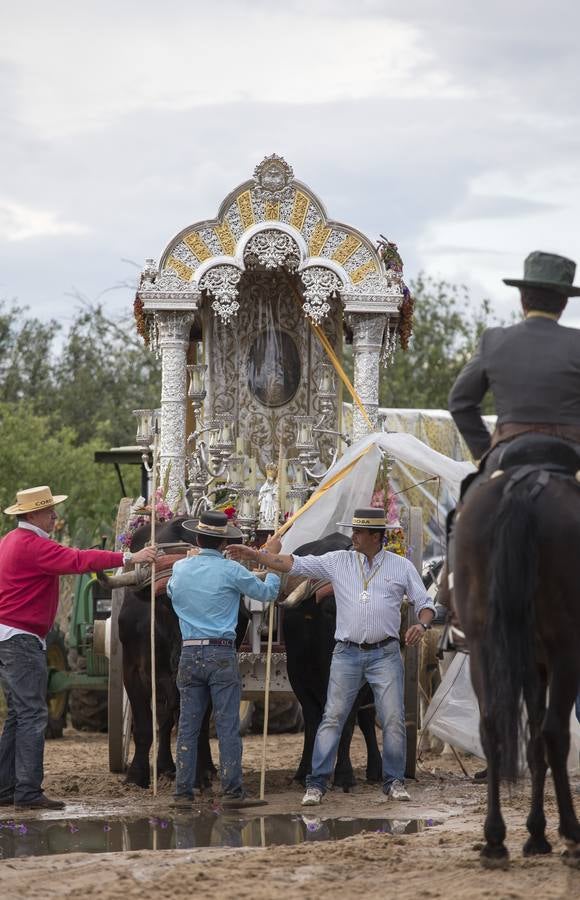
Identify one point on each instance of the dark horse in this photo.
(517, 543)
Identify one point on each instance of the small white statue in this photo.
(268, 500)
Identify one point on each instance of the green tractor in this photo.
(78, 675)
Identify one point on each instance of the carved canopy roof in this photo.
(273, 220)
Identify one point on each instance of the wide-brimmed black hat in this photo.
(549, 271)
(213, 524)
(366, 517)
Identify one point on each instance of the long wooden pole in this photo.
(269, 649)
(153, 573)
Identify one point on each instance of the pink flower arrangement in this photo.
(141, 516)
(391, 508)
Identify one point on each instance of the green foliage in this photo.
(446, 331)
(59, 403)
(31, 453)
(103, 373)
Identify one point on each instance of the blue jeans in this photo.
(204, 673)
(23, 675)
(350, 668)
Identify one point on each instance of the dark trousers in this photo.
(23, 676)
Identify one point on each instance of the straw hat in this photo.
(33, 499)
(367, 517)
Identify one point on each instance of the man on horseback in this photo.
(512, 551)
(532, 368)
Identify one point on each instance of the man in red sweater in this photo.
(30, 566)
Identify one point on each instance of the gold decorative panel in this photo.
(182, 270)
(301, 203)
(246, 209)
(197, 246)
(272, 211)
(226, 238)
(345, 250)
(362, 271)
(319, 238)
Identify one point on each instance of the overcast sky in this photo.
(452, 127)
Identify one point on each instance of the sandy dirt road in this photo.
(438, 861)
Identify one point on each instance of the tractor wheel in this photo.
(88, 710)
(56, 658)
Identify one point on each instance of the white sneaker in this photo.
(397, 791)
(312, 797)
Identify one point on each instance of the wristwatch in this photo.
(426, 627)
(127, 557)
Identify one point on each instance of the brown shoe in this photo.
(41, 802)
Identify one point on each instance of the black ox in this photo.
(309, 637)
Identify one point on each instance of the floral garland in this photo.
(395, 541)
(389, 253)
(140, 514)
(405, 323)
(141, 319)
(394, 536)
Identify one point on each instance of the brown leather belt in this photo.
(508, 430)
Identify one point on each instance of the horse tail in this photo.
(510, 625)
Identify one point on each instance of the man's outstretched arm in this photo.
(278, 562)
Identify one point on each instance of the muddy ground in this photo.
(439, 861)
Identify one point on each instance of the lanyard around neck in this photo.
(367, 581)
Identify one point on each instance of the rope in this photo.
(152, 632)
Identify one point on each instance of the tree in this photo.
(446, 331)
(102, 373)
(26, 355)
(32, 453)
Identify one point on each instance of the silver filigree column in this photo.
(173, 330)
(368, 332)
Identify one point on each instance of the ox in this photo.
(134, 634)
(308, 628)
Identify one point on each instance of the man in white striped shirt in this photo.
(369, 585)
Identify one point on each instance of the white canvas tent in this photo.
(350, 482)
(453, 715)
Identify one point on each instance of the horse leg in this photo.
(556, 730)
(536, 822)
(494, 854)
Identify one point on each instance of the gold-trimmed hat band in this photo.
(212, 529)
(379, 522)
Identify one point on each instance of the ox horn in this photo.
(134, 577)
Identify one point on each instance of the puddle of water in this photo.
(184, 831)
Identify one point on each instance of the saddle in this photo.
(541, 451)
(540, 455)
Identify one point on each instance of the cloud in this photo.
(453, 128)
(20, 223)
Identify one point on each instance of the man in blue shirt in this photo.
(205, 593)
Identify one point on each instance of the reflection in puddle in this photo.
(184, 831)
